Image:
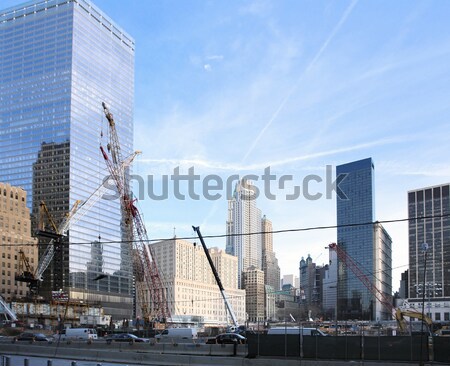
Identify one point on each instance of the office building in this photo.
(362, 241)
(192, 292)
(330, 287)
(59, 61)
(429, 222)
(403, 292)
(15, 234)
(244, 218)
(270, 303)
(382, 274)
(269, 260)
(255, 294)
(311, 285)
(292, 280)
(307, 280)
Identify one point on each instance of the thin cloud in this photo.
(242, 167)
(308, 68)
(215, 57)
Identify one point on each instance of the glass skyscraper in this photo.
(59, 60)
(357, 235)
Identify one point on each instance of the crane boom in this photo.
(47, 257)
(78, 210)
(397, 314)
(144, 265)
(353, 266)
(217, 277)
(11, 314)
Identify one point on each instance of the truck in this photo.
(296, 331)
(77, 333)
(180, 333)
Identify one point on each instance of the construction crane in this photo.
(144, 266)
(9, 313)
(78, 210)
(229, 309)
(385, 300)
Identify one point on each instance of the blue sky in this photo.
(231, 87)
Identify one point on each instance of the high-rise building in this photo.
(429, 222)
(15, 234)
(59, 61)
(192, 292)
(329, 286)
(244, 218)
(270, 303)
(403, 293)
(255, 294)
(307, 280)
(311, 285)
(382, 273)
(290, 279)
(269, 260)
(362, 241)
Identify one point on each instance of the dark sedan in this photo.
(125, 337)
(227, 338)
(32, 337)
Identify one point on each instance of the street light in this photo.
(424, 249)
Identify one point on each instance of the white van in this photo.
(296, 331)
(183, 333)
(77, 333)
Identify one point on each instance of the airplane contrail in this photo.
(309, 67)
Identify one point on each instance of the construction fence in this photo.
(354, 347)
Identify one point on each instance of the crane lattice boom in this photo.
(353, 266)
(144, 265)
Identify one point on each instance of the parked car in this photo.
(227, 338)
(32, 337)
(125, 337)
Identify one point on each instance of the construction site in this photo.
(63, 307)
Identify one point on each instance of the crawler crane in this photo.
(397, 314)
(229, 309)
(148, 280)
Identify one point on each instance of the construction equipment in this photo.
(385, 300)
(228, 307)
(403, 326)
(144, 266)
(45, 213)
(9, 314)
(26, 270)
(78, 210)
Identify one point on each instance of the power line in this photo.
(282, 231)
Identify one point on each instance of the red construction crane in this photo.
(353, 266)
(397, 314)
(148, 281)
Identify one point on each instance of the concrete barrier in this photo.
(145, 354)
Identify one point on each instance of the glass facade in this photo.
(430, 206)
(59, 60)
(354, 300)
